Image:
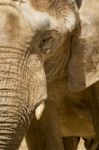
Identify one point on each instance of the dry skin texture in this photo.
(49, 51)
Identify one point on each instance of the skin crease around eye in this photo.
(46, 42)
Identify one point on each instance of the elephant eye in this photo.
(46, 41)
(46, 45)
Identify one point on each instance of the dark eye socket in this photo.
(46, 44)
(45, 41)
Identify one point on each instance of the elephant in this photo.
(48, 57)
(71, 53)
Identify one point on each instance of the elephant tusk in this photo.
(39, 110)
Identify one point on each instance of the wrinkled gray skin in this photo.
(37, 33)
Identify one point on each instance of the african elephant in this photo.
(39, 37)
(70, 48)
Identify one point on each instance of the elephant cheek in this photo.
(37, 85)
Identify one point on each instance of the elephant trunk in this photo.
(13, 110)
(19, 95)
(14, 120)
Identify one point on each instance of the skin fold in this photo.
(53, 40)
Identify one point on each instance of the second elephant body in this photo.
(66, 115)
(72, 109)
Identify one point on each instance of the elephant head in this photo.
(31, 34)
(68, 43)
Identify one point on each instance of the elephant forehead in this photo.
(46, 14)
(55, 16)
(24, 10)
(37, 19)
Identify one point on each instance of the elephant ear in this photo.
(83, 67)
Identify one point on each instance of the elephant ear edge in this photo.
(83, 66)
